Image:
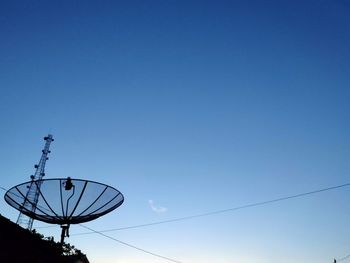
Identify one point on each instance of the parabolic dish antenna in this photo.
(64, 201)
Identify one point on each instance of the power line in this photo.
(343, 258)
(132, 246)
(119, 241)
(223, 210)
(41, 227)
(92, 231)
(2, 188)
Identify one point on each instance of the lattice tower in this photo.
(31, 198)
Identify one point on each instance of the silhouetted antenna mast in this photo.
(32, 195)
(61, 201)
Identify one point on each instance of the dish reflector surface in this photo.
(64, 200)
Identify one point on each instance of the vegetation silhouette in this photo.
(18, 245)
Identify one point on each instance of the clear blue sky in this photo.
(196, 105)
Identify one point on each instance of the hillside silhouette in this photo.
(19, 245)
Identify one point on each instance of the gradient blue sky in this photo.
(196, 105)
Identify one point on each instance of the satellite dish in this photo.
(64, 201)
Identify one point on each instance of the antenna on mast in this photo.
(62, 201)
(31, 198)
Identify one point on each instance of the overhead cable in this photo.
(343, 258)
(132, 246)
(223, 210)
(119, 241)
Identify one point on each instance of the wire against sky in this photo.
(119, 241)
(129, 245)
(343, 258)
(222, 211)
(92, 231)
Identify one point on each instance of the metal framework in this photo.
(65, 201)
(31, 196)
